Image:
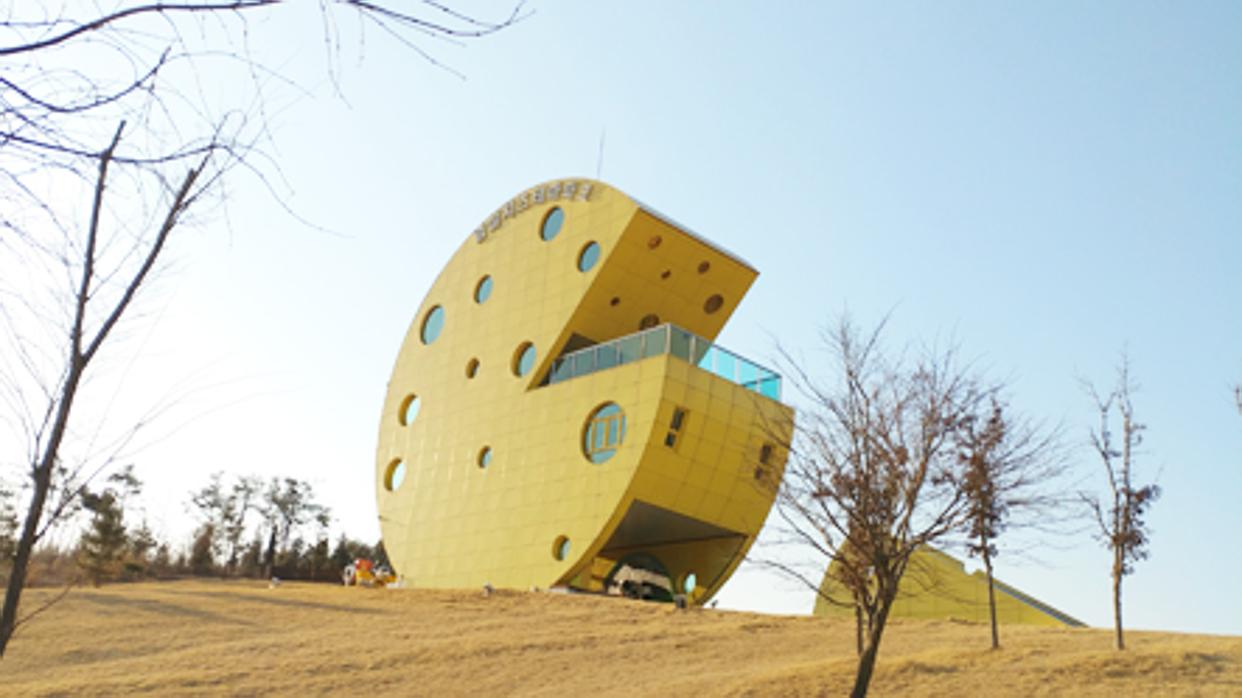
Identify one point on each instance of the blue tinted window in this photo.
(560, 550)
(409, 411)
(395, 475)
(605, 430)
(525, 360)
(432, 324)
(484, 290)
(552, 223)
(588, 257)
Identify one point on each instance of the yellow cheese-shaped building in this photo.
(559, 416)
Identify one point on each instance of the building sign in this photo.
(567, 190)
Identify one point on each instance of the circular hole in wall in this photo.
(483, 290)
(485, 457)
(648, 321)
(704, 266)
(394, 474)
(552, 224)
(713, 303)
(666, 273)
(408, 411)
(472, 368)
(560, 547)
(523, 359)
(654, 242)
(433, 322)
(603, 432)
(588, 256)
(688, 583)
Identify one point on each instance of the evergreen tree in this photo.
(202, 559)
(141, 543)
(103, 544)
(8, 532)
(162, 564)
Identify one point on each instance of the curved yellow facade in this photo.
(558, 414)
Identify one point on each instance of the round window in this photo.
(552, 224)
(483, 290)
(409, 410)
(485, 457)
(688, 583)
(713, 304)
(433, 322)
(603, 432)
(523, 359)
(588, 256)
(560, 548)
(394, 475)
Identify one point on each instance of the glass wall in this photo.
(668, 339)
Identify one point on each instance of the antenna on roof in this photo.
(599, 163)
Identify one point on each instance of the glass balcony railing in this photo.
(668, 339)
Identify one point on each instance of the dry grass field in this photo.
(193, 638)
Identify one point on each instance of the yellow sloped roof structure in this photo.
(559, 415)
(937, 586)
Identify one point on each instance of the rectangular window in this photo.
(675, 427)
(679, 415)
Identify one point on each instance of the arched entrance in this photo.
(640, 576)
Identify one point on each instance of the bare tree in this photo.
(288, 504)
(225, 510)
(72, 77)
(243, 499)
(872, 474)
(1121, 517)
(1012, 470)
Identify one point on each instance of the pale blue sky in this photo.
(1045, 184)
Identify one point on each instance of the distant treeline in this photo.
(247, 527)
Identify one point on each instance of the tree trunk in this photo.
(866, 661)
(21, 561)
(987, 563)
(269, 560)
(858, 629)
(1117, 572)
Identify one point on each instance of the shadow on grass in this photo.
(267, 598)
(159, 607)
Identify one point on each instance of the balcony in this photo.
(668, 339)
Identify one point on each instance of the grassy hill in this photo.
(187, 638)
